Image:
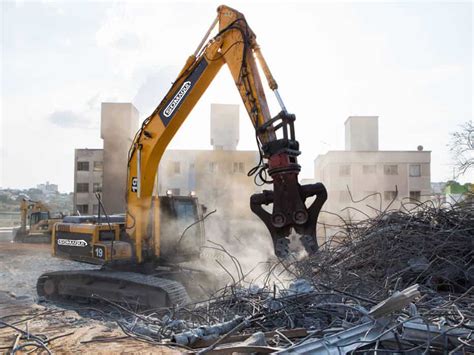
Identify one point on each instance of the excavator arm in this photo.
(234, 45)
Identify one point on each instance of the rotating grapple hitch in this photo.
(288, 196)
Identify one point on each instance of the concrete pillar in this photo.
(362, 133)
(119, 123)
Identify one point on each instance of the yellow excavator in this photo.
(140, 253)
(36, 224)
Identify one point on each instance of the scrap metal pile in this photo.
(428, 245)
(400, 282)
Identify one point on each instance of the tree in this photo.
(462, 148)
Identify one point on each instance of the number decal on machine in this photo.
(134, 184)
(99, 252)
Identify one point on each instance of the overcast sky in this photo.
(409, 63)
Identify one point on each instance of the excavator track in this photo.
(31, 238)
(121, 287)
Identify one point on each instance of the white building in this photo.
(48, 189)
(391, 177)
(218, 176)
(88, 173)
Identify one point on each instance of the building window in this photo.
(390, 169)
(95, 209)
(389, 195)
(82, 209)
(415, 195)
(239, 167)
(369, 169)
(82, 166)
(98, 166)
(97, 187)
(82, 187)
(176, 167)
(415, 170)
(212, 166)
(344, 170)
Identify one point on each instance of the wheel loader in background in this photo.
(141, 255)
(36, 223)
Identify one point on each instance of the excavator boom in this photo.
(234, 45)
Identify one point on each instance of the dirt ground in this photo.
(20, 266)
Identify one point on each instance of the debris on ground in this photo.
(401, 282)
(27, 327)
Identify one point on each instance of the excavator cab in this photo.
(36, 218)
(182, 231)
(102, 239)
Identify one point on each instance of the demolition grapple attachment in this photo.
(288, 196)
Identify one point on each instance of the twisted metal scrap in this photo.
(431, 246)
(334, 289)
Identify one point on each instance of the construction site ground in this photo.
(399, 282)
(20, 266)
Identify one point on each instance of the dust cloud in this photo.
(238, 248)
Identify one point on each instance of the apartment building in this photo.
(218, 176)
(88, 175)
(363, 179)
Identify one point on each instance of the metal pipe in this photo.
(206, 36)
(280, 101)
(139, 170)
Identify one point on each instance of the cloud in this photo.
(68, 119)
(153, 89)
(127, 41)
(136, 35)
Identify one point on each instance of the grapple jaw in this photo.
(290, 212)
(288, 196)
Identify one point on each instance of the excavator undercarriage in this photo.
(147, 291)
(101, 241)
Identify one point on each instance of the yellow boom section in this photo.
(234, 45)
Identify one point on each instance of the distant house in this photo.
(48, 188)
